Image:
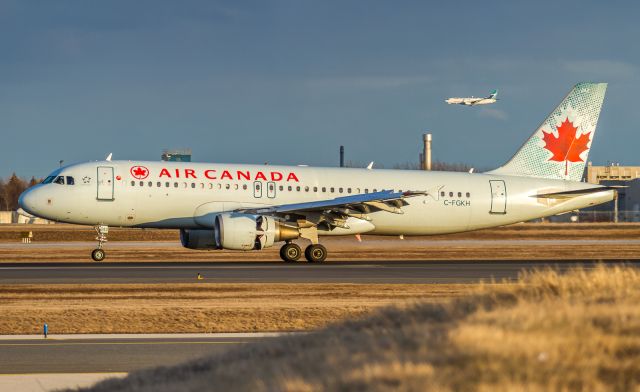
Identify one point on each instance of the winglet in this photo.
(109, 157)
(370, 166)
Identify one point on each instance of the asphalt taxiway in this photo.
(279, 272)
(111, 353)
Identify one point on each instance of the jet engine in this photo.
(250, 232)
(198, 239)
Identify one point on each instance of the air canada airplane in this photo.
(473, 101)
(253, 207)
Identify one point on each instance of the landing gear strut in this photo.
(290, 252)
(101, 231)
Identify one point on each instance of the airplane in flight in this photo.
(253, 207)
(473, 101)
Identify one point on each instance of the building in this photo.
(178, 155)
(612, 172)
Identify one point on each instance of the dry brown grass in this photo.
(202, 307)
(515, 243)
(576, 332)
(65, 232)
(347, 249)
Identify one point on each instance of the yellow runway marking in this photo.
(111, 343)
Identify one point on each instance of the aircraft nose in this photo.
(28, 201)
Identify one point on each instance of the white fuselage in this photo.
(472, 101)
(189, 195)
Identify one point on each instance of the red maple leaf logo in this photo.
(139, 172)
(566, 147)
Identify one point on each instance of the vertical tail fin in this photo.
(493, 94)
(560, 146)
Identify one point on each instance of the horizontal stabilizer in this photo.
(576, 193)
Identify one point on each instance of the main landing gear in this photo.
(314, 253)
(101, 231)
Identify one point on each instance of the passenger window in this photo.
(324, 189)
(245, 187)
(289, 188)
(281, 188)
(375, 190)
(59, 180)
(315, 189)
(340, 190)
(166, 184)
(202, 186)
(159, 184)
(468, 194)
(184, 185)
(306, 189)
(332, 189)
(442, 193)
(459, 194)
(175, 184)
(450, 194)
(133, 183)
(366, 190)
(348, 190)
(70, 180)
(150, 183)
(228, 186)
(298, 188)
(141, 183)
(210, 186)
(235, 187)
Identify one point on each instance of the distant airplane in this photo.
(473, 101)
(253, 207)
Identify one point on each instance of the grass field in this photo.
(202, 307)
(528, 241)
(65, 232)
(576, 332)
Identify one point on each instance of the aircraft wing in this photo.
(335, 211)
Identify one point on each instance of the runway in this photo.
(110, 354)
(278, 272)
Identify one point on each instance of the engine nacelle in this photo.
(198, 239)
(250, 232)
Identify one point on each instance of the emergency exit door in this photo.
(498, 197)
(257, 189)
(105, 183)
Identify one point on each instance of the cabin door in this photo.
(105, 183)
(498, 197)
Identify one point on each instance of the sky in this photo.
(288, 82)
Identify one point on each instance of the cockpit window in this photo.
(48, 180)
(70, 180)
(59, 180)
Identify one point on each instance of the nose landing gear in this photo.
(101, 231)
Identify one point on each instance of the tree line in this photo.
(11, 189)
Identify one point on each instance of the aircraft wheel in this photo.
(98, 255)
(315, 253)
(290, 252)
